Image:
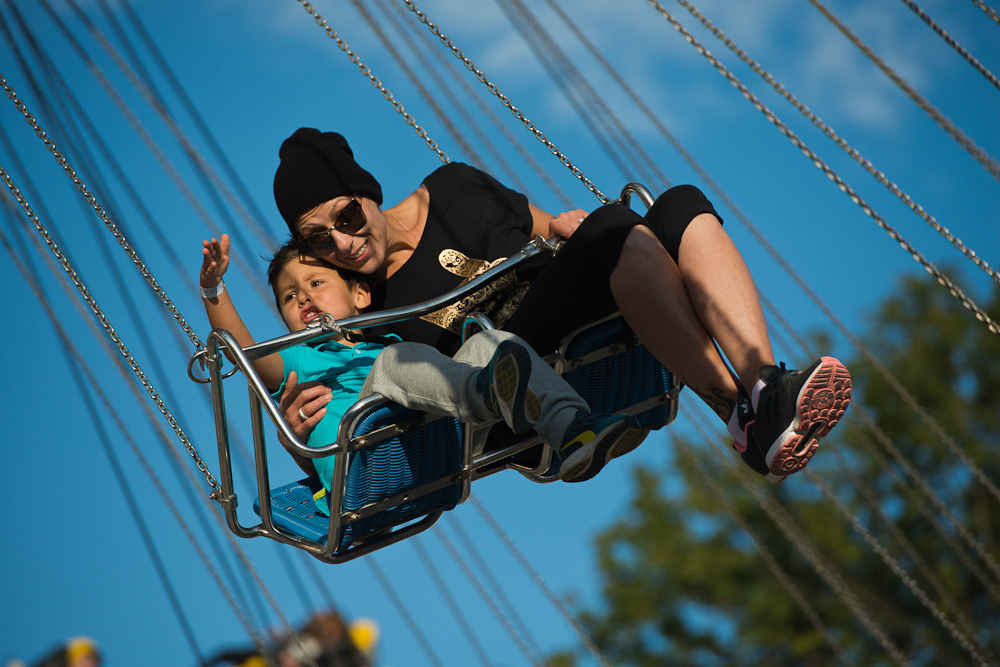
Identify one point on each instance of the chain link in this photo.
(366, 70)
(101, 213)
(842, 143)
(147, 385)
(897, 569)
(980, 155)
(91, 302)
(989, 10)
(486, 111)
(941, 278)
(799, 538)
(471, 66)
(953, 44)
(786, 580)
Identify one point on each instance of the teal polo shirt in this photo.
(343, 369)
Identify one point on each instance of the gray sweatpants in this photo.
(417, 376)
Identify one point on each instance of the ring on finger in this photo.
(302, 415)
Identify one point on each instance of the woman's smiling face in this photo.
(360, 249)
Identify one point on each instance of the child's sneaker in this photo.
(794, 409)
(504, 386)
(593, 440)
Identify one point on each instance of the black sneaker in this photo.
(753, 458)
(504, 386)
(794, 409)
(740, 426)
(593, 440)
(741, 420)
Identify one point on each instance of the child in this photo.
(487, 379)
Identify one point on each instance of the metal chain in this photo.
(490, 580)
(156, 101)
(842, 143)
(456, 610)
(784, 578)
(119, 236)
(941, 278)
(910, 550)
(601, 121)
(893, 382)
(942, 506)
(147, 385)
(798, 537)
(953, 44)
(487, 598)
(897, 533)
(471, 66)
(431, 99)
(354, 58)
(522, 560)
(897, 569)
(949, 127)
(989, 10)
(882, 438)
(398, 605)
(526, 157)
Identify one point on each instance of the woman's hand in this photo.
(308, 399)
(214, 261)
(564, 224)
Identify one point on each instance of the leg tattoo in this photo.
(715, 398)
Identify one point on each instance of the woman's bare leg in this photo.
(651, 294)
(724, 297)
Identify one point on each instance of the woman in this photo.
(674, 274)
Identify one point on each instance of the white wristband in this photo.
(213, 292)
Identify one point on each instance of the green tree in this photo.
(699, 573)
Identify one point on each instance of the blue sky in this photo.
(72, 561)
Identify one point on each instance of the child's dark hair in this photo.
(290, 252)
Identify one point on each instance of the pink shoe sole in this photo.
(822, 402)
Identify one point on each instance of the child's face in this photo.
(306, 289)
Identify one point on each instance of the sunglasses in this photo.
(350, 220)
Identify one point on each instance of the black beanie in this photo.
(316, 167)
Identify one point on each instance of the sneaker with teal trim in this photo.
(503, 384)
(593, 440)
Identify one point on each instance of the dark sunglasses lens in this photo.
(351, 218)
(317, 242)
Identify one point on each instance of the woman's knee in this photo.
(673, 211)
(643, 247)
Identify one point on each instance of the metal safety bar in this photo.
(220, 342)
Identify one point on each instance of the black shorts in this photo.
(575, 288)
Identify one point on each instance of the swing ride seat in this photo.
(397, 470)
(613, 372)
(406, 468)
(402, 470)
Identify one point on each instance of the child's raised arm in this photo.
(222, 312)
